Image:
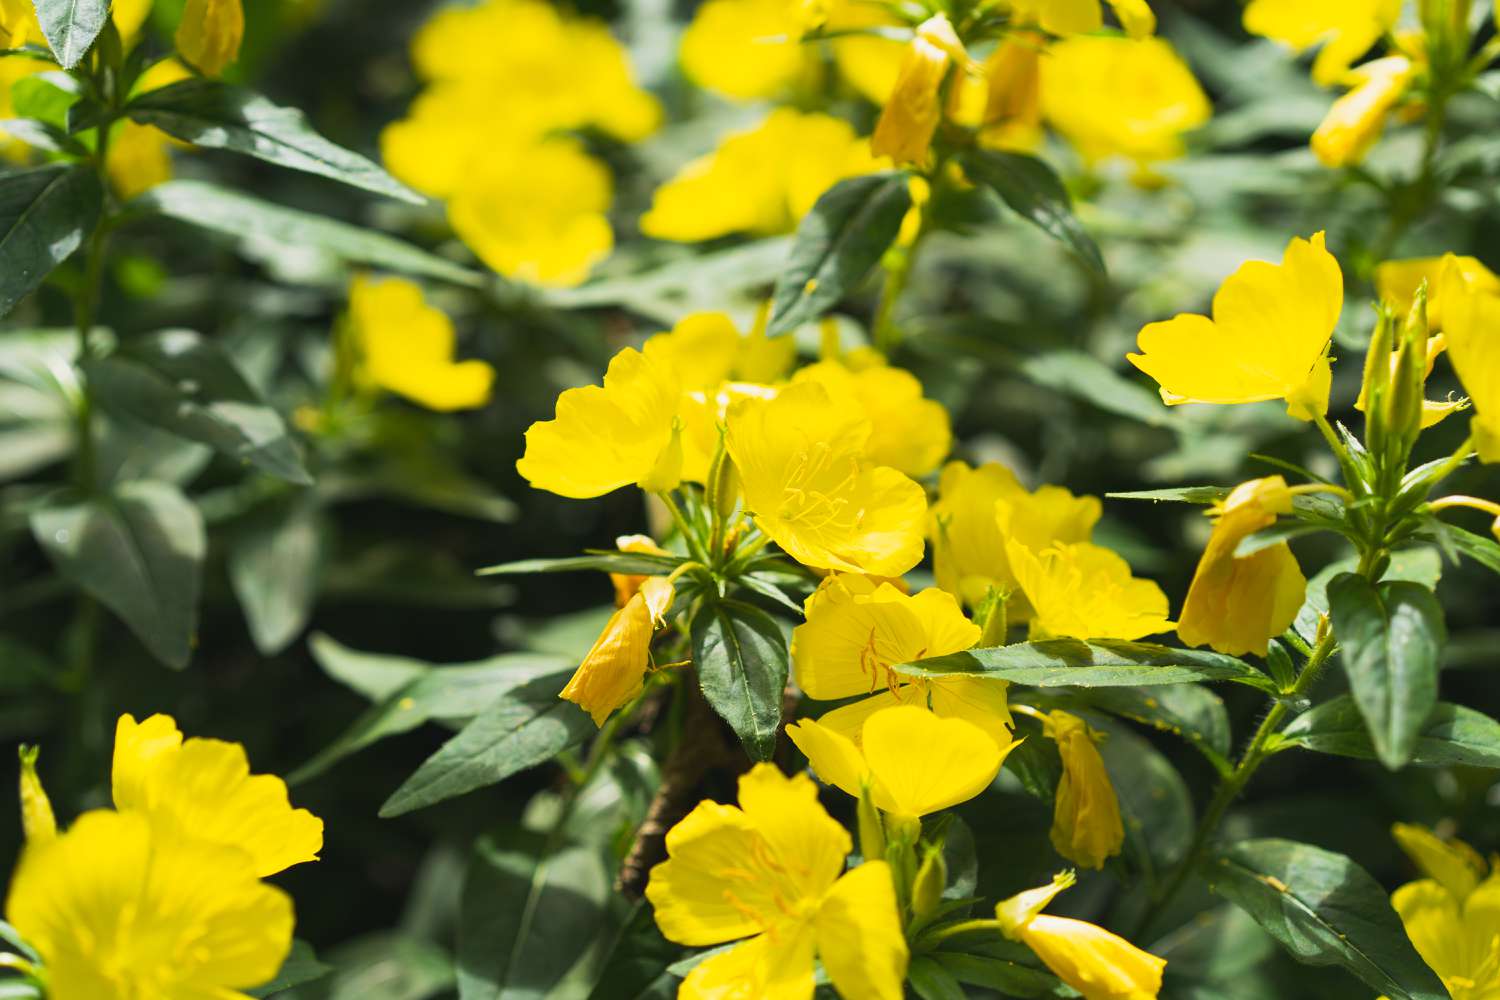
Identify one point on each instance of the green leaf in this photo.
(1419, 565)
(374, 675)
(301, 967)
(1390, 640)
(1451, 735)
(838, 243)
(219, 116)
(1073, 663)
(42, 135)
(263, 224)
(385, 966)
(1181, 494)
(183, 383)
(139, 550)
(526, 915)
(1033, 191)
(1003, 966)
(48, 97)
(274, 560)
(1325, 910)
(71, 26)
(638, 966)
(1155, 805)
(1479, 548)
(741, 657)
(608, 562)
(932, 981)
(1087, 378)
(525, 727)
(45, 215)
(1189, 711)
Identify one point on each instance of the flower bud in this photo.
(911, 114)
(210, 34)
(932, 879)
(1086, 824)
(1377, 379)
(1356, 120)
(871, 829)
(37, 819)
(1403, 406)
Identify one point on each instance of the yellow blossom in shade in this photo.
(606, 437)
(1112, 96)
(1098, 964)
(627, 585)
(1082, 17)
(908, 432)
(203, 789)
(118, 910)
(772, 870)
(139, 158)
(1458, 939)
(1086, 824)
(210, 34)
(1397, 281)
(1268, 339)
(1013, 104)
(913, 761)
(37, 820)
(1346, 29)
(913, 109)
(1471, 323)
(614, 670)
(1357, 119)
(1236, 605)
(1453, 864)
(805, 476)
(1080, 590)
(405, 346)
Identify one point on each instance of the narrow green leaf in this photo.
(1281, 531)
(742, 661)
(1390, 639)
(1091, 380)
(1033, 191)
(1189, 711)
(139, 550)
(220, 116)
(388, 966)
(932, 981)
(45, 215)
(638, 966)
(71, 26)
(1181, 494)
(1073, 663)
(42, 135)
(301, 967)
(374, 675)
(1451, 735)
(274, 560)
(608, 562)
(1325, 910)
(1007, 967)
(1479, 548)
(838, 243)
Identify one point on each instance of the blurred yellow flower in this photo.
(1471, 321)
(139, 158)
(908, 432)
(1079, 590)
(1346, 29)
(12, 69)
(1236, 605)
(914, 761)
(614, 670)
(905, 129)
(1453, 864)
(119, 908)
(1112, 96)
(1013, 104)
(749, 184)
(1453, 915)
(708, 350)
(1355, 121)
(772, 870)
(1268, 339)
(1397, 281)
(129, 17)
(1083, 17)
(210, 33)
(1098, 964)
(19, 26)
(807, 479)
(1086, 824)
(405, 346)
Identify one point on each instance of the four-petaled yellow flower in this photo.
(1080, 590)
(1237, 604)
(1471, 323)
(1356, 120)
(772, 870)
(908, 432)
(1268, 339)
(1084, 17)
(210, 34)
(614, 670)
(1346, 29)
(1453, 914)
(405, 346)
(1086, 824)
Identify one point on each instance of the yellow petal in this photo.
(775, 966)
(627, 585)
(744, 48)
(1345, 28)
(1472, 328)
(808, 844)
(1454, 865)
(968, 543)
(1096, 963)
(859, 935)
(1085, 591)
(1433, 920)
(702, 347)
(140, 747)
(1135, 17)
(129, 16)
(913, 109)
(1397, 282)
(923, 764)
(908, 433)
(1356, 120)
(210, 34)
(834, 757)
(1086, 825)
(614, 670)
(978, 700)
(406, 347)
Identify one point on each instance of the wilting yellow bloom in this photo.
(1112, 96)
(913, 761)
(1397, 281)
(1086, 824)
(614, 670)
(914, 107)
(1346, 29)
(203, 789)
(607, 437)
(1471, 320)
(119, 909)
(1083, 17)
(139, 158)
(1268, 339)
(210, 34)
(772, 870)
(627, 585)
(1013, 104)
(1096, 963)
(908, 432)
(978, 510)
(805, 476)
(37, 819)
(1453, 915)
(750, 185)
(405, 346)
(1236, 605)
(1084, 591)
(1355, 121)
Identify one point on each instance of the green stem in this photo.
(887, 334)
(689, 536)
(939, 935)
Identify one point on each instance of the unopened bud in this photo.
(37, 819)
(871, 829)
(1403, 408)
(723, 484)
(932, 879)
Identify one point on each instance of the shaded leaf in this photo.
(1073, 663)
(301, 967)
(741, 657)
(1189, 711)
(1451, 735)
(1420, 565)
(384, 966)
(609, 562)
(932, 980)
(638, 966)
(273, 562)
(45, 215)
(1033, 191)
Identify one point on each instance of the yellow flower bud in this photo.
(911, 115)
(1086, 825)
(36, 809)
(1404, 404)
(927, 890)
(1356, 120)
(614, 670)
(210, 34)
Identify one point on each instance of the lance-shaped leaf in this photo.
(1190, 711)
(1034, 192)
(45, 215)
(1325, 910)
(1419, 565)
(274, 561)
(1391, 637)
(839, 242)
(301, 967)
(638, 563)
(1073, 663)
(1452, 735)
(71, 26)
(742, 661)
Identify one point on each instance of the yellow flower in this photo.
(1096, 963)
(912, 111)
(708, 350)
(1346, 29)
(405, 346)
(202, 789)
(1084, 17)
(913, 761)
(805, 476)
(744, 49)
(1397, 282)
(129, 17)
(12, 69)
(750, 185)
(1013, 105)
(1080, 590)
(1112, 96)
(1433, 411)
(1355, 121)
(19, 26)
(1453, 864)
(1268, 338)
(1471, 318)
(1086, 825)
(627, 585)
(772, 870)
(607, 437)
(908, 432)
(139, 158)
(119, 909)
(1236, 605)
(1453, 915)
(210, 34)
(37, 821)
(614, 670)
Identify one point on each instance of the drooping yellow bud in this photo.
(627, 585)
(1355, 121)
(37, 820)
(614, 670)
(1404, 406)
(911, 115)
(210, 34)
(1086, 824)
